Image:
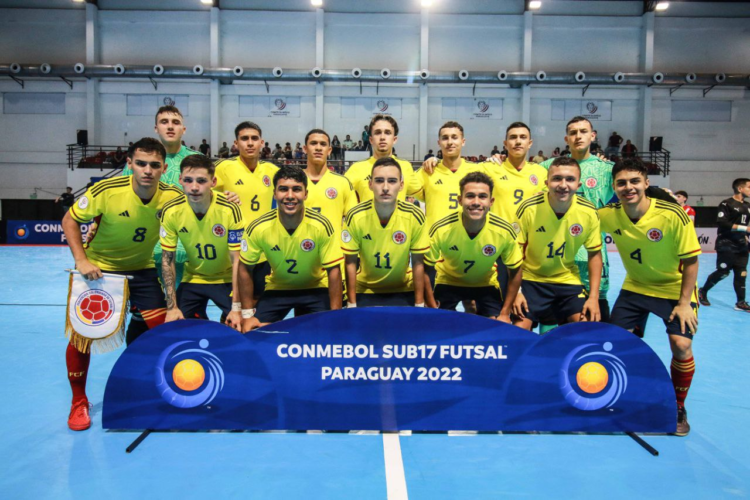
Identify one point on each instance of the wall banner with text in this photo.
(472, 109)
(269, 106)
(364, 108)
(565, 109)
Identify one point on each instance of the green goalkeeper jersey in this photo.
(598, 188)
(172, 175)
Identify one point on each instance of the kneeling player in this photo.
(210, 229)
(126, 209)
(553, 227)
(464, 249)
(303, 251)
(659, 248)
(383, 232)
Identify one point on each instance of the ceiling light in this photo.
(316, 3)
(535, 4)
(207, 2)
(426, 3)
(79, 1)
(662, 6)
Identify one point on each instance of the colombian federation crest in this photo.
(399, 237)
(346, 236)
(307, 245)
(95, 319)
(489, 250)
(266, 181)
(655, 235)
(534, 179)
(591, 182)
(331, 193)
(219, 231)
(576, 229)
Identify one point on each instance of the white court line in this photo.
(394, 468)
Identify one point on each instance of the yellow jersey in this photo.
(360, 173)
(207, 241)
(513, 186)
(127, 228)
(255, 189)
(461, 260)
(550, 243)
(298, 260)
(384, 251)
(440, 190)
(332, 196)
(652, 248)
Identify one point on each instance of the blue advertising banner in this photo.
(38, 232)
(390, 369)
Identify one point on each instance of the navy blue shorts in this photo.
(260, 271)
(192, 298)
(403, 299)
(145, 290)
(487, 298)
(632, 309)
(549, 301)
(274, 305)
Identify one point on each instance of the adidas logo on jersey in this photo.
(503, 178)
(184, 230)
(367, 237)
(541, 230)
(368, 178)
(618, 232)
(454, 247)
(239, 183)
(439, 182)
(276, 248)
(125, 214)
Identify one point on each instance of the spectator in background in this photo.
(278, 153)
(539, 158)
(566, 151)
(613, 146)
(265, 153)
(348, 143)
(193, 148)
(359, 147)
(595, 147)
(336, 147)
(298, 153)
(629, 150)
(120, 157)
(496, 151)
(224, 151)
(205, 148)
(288, 153)
(439, 154)
(66, 199)
(366, 138)
(556, 153)
(234, 151)
(682, 198)
(430, 154)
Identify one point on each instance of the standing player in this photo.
(464, 248)
(210, 228)
(383, 132)
(659, 248)
(732, 244)
(303, 251)
(383, 233)
(126, 210)
(682, 198)
(554, 226)
(596, 187)
(249, 177)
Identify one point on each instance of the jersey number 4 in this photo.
(636, 255)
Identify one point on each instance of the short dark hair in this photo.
(167, 109)
(242, 126)
(387, 118)
(630, 164)
(479, 177)
(148, 145)
(387, 162)
(657, 193)
(681, 193)
(290, 172)
(69, 188)
(738, 183)
(517, 125)
(577, 119)
(317, 131)
(198, 161)
(451, 124)
(564, 161)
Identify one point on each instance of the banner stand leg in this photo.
(643, 443)
(138, 441)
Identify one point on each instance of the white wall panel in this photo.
(43, 36)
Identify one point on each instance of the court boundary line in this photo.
(395, 478)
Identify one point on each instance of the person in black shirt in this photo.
(732, 244)
(205, 148)
(66, 199)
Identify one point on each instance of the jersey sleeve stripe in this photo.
(75, 216)
(419, 250)
(689, 253)
(416, 212)
(270, 216)
(317, 217)
(359, 208)
(536, 200)
(514, 265)
(349, 251)
(327, 265)
(674, 208)
(508, 228)
(105, 185)
(248, 262)
(231, 206)
(594, 249)
(168, 247)
(443, 222)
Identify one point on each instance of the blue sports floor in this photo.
(41, 458)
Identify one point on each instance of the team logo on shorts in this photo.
(243, 245)
(516, 227)
(94, 307)
(266, 181)
(83, 202)
(307, 245)
(591, 182)
(489, 250)
(534, 179)
(399, 237)
(346, 237)
(576, 229)
(331, 193)
(162, 232)
(219, 230)
(655, 234)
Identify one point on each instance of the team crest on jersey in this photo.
(307, 245)
(83, 202)
(591, 182)
(346, 237)
(489, 250)
(534, 179)
(243, 245)
(331, 193)
(219, 230)
(399, 237)
(266, 181)
(516, 227)
(655, 234)
(576, 229)
(162, 232)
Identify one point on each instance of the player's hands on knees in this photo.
(686, 316)
(88, 270)
(232, 197)
(498, 158)
(234, 320)
(591, 311)
(249, 324)
(520, 306)
(173, 314)
(429, 165)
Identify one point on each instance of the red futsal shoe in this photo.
(79, 419)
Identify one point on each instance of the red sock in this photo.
(78, 368)
(154, 317)
(682, 376)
